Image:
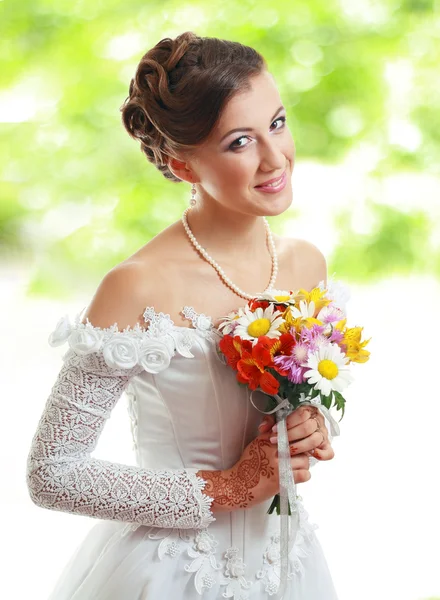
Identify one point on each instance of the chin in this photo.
(277, 207)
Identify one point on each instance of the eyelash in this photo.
(232, 147)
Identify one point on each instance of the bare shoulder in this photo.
(143, 279)
(308, 263)
(118, 298)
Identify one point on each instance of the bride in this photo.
(190, 519)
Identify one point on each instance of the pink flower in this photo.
(314, 337)
(330, 314)
(288, 363)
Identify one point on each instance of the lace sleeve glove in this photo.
(61, 474)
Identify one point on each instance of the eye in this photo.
(235, 146)
(282, 119)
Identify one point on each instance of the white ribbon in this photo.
(288, 495)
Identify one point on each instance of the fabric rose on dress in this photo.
(85, 341)
(62, 331)
(203, 322)
(154, 356)
(121, 352)
(235, 566)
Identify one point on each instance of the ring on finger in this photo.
(317, 422)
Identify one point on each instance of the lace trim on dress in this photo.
(151, 348)
(270, 572)
(230, 570)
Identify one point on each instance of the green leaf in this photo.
(326, 400)
(314, 394)
(339, 403)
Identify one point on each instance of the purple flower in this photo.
(336, 336)
(296, 374)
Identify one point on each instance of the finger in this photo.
(306, 445)
(317, 416)
(320, 418)
(299, 461)
(266, 424)
(299, 415)
(302, 431)
(324, 452)
(301, 475)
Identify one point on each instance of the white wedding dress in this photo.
(157, 538)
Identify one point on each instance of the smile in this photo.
(275, 186)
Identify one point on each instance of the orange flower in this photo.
(232, 348)
(251, 366)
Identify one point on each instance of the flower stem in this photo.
(276, 505)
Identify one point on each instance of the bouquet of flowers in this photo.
(294, 346)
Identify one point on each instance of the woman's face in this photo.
(228, 166)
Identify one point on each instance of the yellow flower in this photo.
(289, 321)
(298, 322)
(315, 295)
(355, 348)
(341, 325)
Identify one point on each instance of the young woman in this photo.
(190, 520)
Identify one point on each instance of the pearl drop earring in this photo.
(193, 200)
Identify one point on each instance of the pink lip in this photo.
(273, 190)
(271, 180)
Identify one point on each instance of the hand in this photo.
(260, 457)
(301, 425)
(254, 478)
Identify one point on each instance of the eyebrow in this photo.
(250, 128)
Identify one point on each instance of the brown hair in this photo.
(180, 88)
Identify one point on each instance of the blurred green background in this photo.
(359, 80)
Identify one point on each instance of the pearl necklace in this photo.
(220, 271)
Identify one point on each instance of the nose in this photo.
(272, 158)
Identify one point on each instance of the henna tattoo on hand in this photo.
(234, 488)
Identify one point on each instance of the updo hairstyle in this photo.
(179, 90)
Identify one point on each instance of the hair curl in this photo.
(180, 88)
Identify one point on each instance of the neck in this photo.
(227, 235)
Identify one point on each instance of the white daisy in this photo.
(252, 325)
(278, 296)
(328, 369)
(229, 322)
(305, 311)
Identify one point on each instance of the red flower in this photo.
(283, 345)
(254, 304)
